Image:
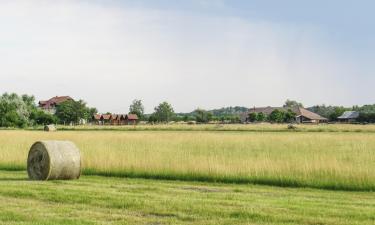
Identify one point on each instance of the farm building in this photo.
(302, 115)
(49, 106)
(349, 117)
(115, 119)
(106, 119)
(131, 119)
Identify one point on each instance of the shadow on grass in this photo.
(268, 181)
(4, 179)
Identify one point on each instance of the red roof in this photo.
(132, 117)
(54, 101)
(97, 116)
(107, 116)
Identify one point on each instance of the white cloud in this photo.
(109, 55)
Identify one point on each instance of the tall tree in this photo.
(253, 117)
(291, 104)
(202, 116)
(163, 112)
(276, 116)
(14, 111)
(137, 108)
(73, 111)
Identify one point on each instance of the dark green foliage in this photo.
(40, 117)
(137, 108)
(281, 116)
(277, 116)
(227, 111)
(292, 104)
(202, 116)
(330, 112)
(163, 112)
(14, 112)
(366, 113)
(289, 116)
(261, 117)
(73, 111)
(253, 117)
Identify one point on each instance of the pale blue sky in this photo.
(197, 53)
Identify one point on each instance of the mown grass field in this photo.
(112, 201)
(327, 160)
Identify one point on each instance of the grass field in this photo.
(112, 201)
(329, 160)
(260, 127)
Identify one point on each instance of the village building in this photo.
(115, 119)
(302, 115)
(106, 119)
(131, 119)
(348, 117)
(50, 105)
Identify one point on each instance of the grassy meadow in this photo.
(328, 160)
(113, 201)
(258, 127)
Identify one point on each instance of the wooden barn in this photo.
(106, 119)
(131, 119)
(115, 119)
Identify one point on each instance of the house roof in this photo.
(299, 111)
(106, 116)
(97, 116)
(265, 110)
(132, 117)
(308, 114)
(54, 101)
(349, 115)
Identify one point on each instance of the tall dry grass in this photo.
(322, 160)
(258, 127)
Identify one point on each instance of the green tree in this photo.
(73, 111)
(90, 113)
(276, 116)
(289, 116)
(202, 116)
(292, 104)
(337, 111)
(253, 117)
(137, 108)
(261, 117)
(42, 118)
(164, 112)
(14, 111)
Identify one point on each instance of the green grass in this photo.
(104, 200)
(338, 161)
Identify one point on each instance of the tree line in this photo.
(22, 111)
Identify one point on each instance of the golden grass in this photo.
(328, 160)
(266, 127)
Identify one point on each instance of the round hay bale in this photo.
(50, 128)
(53, 160)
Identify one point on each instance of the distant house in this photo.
(97, 119)
(49, 106)
(305, 116)
(106, 119)
(302, 115)
(115, 119)
(131, 119)
(349, 117)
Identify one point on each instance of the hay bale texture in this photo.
(54, 160)
(50, 128)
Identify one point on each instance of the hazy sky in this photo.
(197, 53)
